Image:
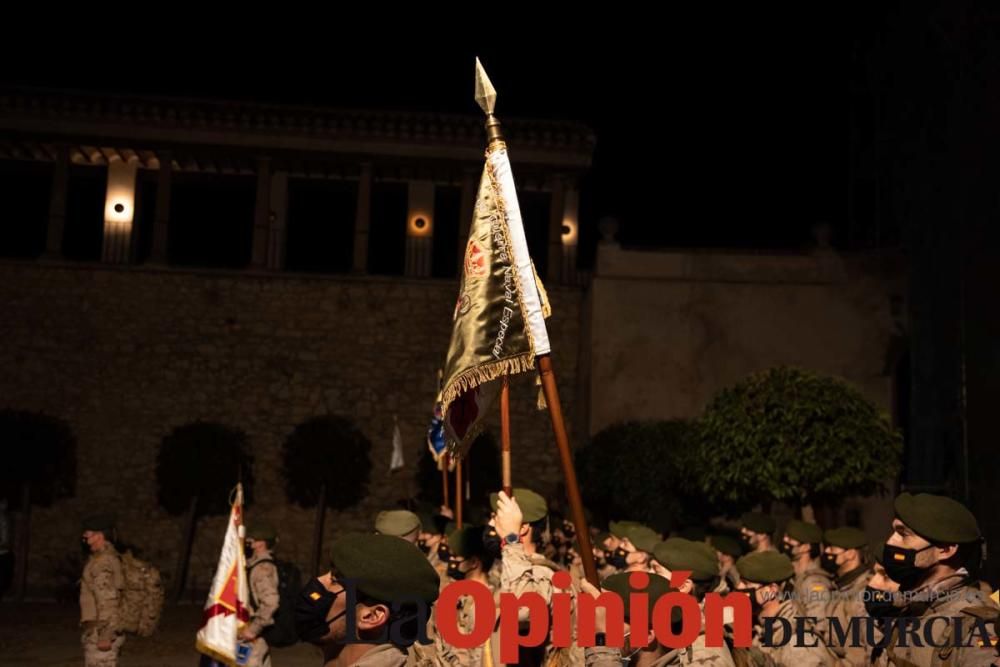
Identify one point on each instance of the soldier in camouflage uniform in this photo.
(934, 540)
(700, 559)
(469, 561)
(384, 569)
(813, 584)
(101, 590)
(767, 577)
(846, 555)
(262, 575)
(756, 531)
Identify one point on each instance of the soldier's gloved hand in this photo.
(508, 516)
(104, 645)
(446, 512)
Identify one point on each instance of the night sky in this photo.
(715, 127)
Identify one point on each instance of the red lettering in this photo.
(614, 611)
(638, 610)
(715, 605)
(561, 611)
(690, 619)
(446, 615)
(538, 623)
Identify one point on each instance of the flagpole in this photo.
(444, 478)
(569, 472)
(505, 436)
(486, 98)
(458, 492)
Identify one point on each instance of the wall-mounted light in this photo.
(569, 232)
(420, 225)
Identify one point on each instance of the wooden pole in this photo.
(444, 479)
(458, 492)
(569, 473)
(505, 436)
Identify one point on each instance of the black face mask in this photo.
(84, 547)
(311, 608)
(422, 544)
(829, 563)
(787, 549)
(454, 572)
(755, 606)
(747, 544)
(879, 603)
(492, 542)
(900, 565)
(444, 552)
(617, 558)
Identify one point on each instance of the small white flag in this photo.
(397, 447)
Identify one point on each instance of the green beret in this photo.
(620, 528)
(937, 518)
(620, 585)
(104, 523)
(642, 538)
(758, 522)
(385, 568)
(765, 567)
(727, 545)
(532, 505)
(467, 542)
(257, 530)
(397, 522)
(680, 554)
(845, 537)
(804, 532)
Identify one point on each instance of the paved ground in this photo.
(46, 634)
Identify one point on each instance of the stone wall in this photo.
(126, 355)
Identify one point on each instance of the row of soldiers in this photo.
(817, 581)
(808, 578)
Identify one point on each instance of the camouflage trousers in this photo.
(260, 655)
(93, 656)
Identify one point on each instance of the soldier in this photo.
(638, 541)
(101, 595)
(933, 542)
(518, 522)
(700, 559)
(399, 523)
(469, 561)
(846, 556)
(813, 584)
(262, 575)
(383, 570)
(727, 549)
(756, 530)
(767, 577)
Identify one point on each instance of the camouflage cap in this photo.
(397, 523)
(258, 530)
(845, 537)
(937, 519)
(385, 568)
(804, 532)
(533, 506)
(727, 545)
(765, 567)
(680, 554)
(758, 522)
(620, 585)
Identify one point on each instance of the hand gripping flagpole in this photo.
(486, 96)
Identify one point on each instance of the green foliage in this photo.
(638, 471)
(203, 460)
(327, 450)
(791, 435)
